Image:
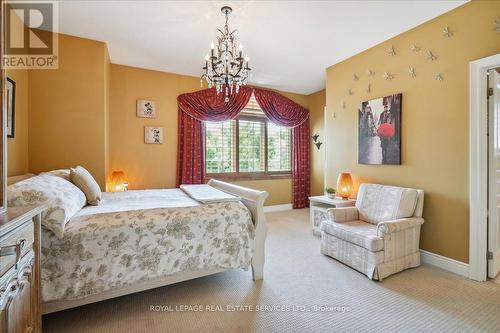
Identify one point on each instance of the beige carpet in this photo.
(298, 280)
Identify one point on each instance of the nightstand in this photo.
(318, 206)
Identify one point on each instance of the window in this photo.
(249, 147)
(220, 147)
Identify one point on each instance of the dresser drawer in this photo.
(23, 235)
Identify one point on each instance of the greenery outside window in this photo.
(248, 147)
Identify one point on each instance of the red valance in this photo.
(279, 109)
(207, 105)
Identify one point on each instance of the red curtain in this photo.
(279, 109)
(284, 112)
(190, 153)
(194, 108)
(301, 170)
(206, 105)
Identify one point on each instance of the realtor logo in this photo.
(31, 40)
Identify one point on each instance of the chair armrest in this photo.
(389, 227)
(342, 214)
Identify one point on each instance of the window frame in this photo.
(259, 175)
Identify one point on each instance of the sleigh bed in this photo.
(138, 240)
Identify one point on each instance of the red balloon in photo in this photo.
(386, 130)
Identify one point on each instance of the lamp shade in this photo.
(119, 181)
(344, 185)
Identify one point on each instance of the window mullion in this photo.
(266, 145)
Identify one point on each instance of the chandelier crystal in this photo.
(225, 67)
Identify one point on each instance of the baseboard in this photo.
(448, 264)
(277, 208)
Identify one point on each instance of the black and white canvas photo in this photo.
(379, 138)
(10, 105)
(153, 134)
(146, 108)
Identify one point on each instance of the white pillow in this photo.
(61, 197)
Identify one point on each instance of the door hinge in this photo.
(489, 92)
(489, 255)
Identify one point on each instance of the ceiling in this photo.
(290, 43)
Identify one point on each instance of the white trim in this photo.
(54, 306)
(448, 264)
(277, 208)
(478, 165)
(325, 145)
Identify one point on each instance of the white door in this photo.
(494, 175)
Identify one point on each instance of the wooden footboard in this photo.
(254, 200)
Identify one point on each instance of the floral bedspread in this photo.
(119, 243)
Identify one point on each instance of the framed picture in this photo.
(146, 108)
(379, 131)
(10, 105)
(153, 134)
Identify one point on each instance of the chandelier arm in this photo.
(225, 67)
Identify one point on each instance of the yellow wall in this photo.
(154, 166)
(146, 165)
(434, 117)
(67, 114)
(280, 190)
(317, 102)
(17, 147)
(107, 85)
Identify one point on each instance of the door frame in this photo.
(478, 165)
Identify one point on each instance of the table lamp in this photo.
(119, 182)
(344, 185)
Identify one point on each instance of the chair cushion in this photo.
(356, 232)
(377, 203)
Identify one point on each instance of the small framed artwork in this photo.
(10, 105)
(379, 131)
(146, 108)
(153, 134)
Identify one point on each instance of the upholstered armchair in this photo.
(380, 235)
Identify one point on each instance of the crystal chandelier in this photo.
(225, 68)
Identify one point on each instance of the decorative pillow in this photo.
(87, 184)
(63, 173)
(63, 199)
(377, 203)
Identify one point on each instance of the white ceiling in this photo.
(290, 43)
